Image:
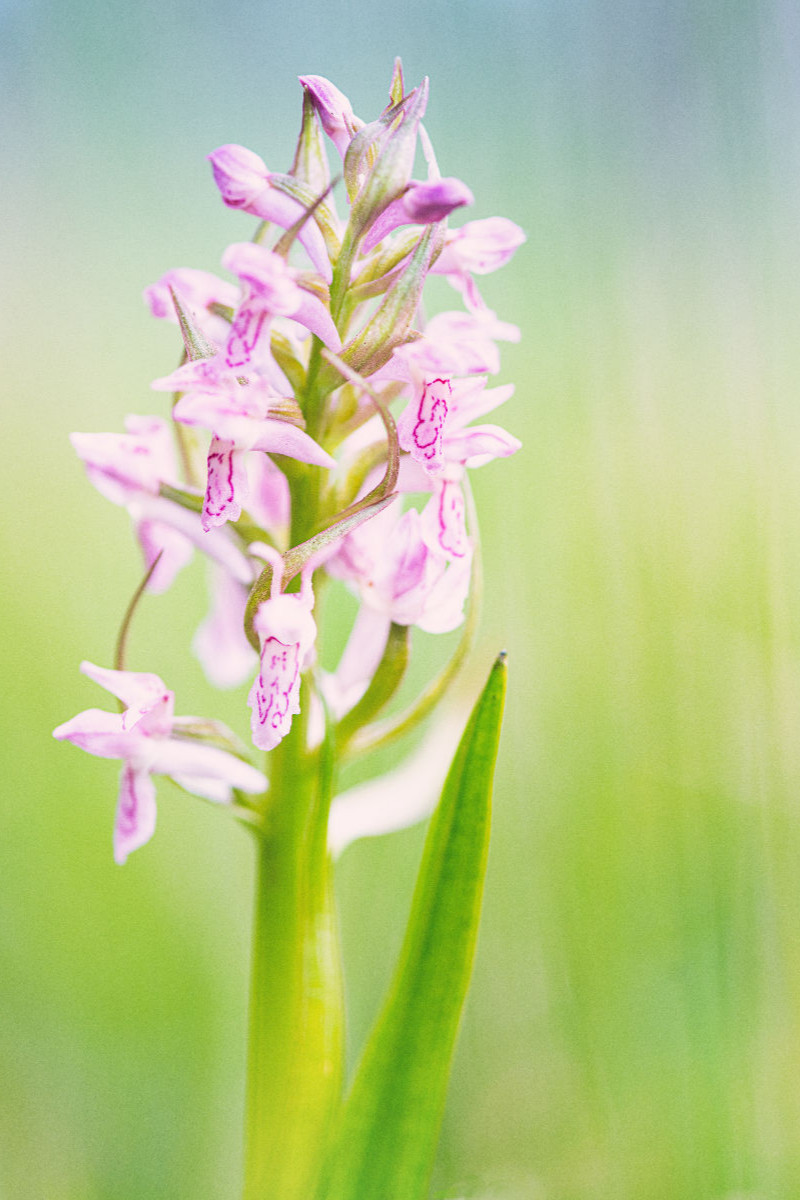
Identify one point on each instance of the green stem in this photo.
(296, 1013)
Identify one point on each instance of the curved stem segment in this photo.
(296, 1014)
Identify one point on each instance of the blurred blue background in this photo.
(633, 1030)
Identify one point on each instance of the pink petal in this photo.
(136, 811)
(240, 175)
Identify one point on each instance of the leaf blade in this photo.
(388, 1130)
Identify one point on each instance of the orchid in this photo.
(152, 741)
(321, 434)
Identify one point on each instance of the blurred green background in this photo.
(634, 1028)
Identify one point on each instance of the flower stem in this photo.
(296, 1014)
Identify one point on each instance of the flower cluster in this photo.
(313, 405)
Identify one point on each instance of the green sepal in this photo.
(396, 92)
(296, 558)
(385, 1141)
(195, 341)
(310, 164)
(311, 200)
(284, 356)
(391, 324)
(210, 733)
(383, 685)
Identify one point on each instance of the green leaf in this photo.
(386, 1137)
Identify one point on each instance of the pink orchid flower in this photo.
(287, 633)
(238, 415)
(197, 290)
(270, 289)
(453, 343)
(245, 183)
(400, 577)
(435, 429)
(147, 737)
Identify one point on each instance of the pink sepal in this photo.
(98, 732)
(214, 772)
(140, 691)
(121, 465)
(172, 549)
(145, 737)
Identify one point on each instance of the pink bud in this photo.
(334, 110)
(434, 200)
(240, 175)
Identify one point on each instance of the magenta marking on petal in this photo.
(452, 524)
(431, 416)
(219, 488)
(128, 809)
(277, 679)
(244, 336)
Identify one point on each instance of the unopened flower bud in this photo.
(334, 110)
(420, 204)
(240, 175)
